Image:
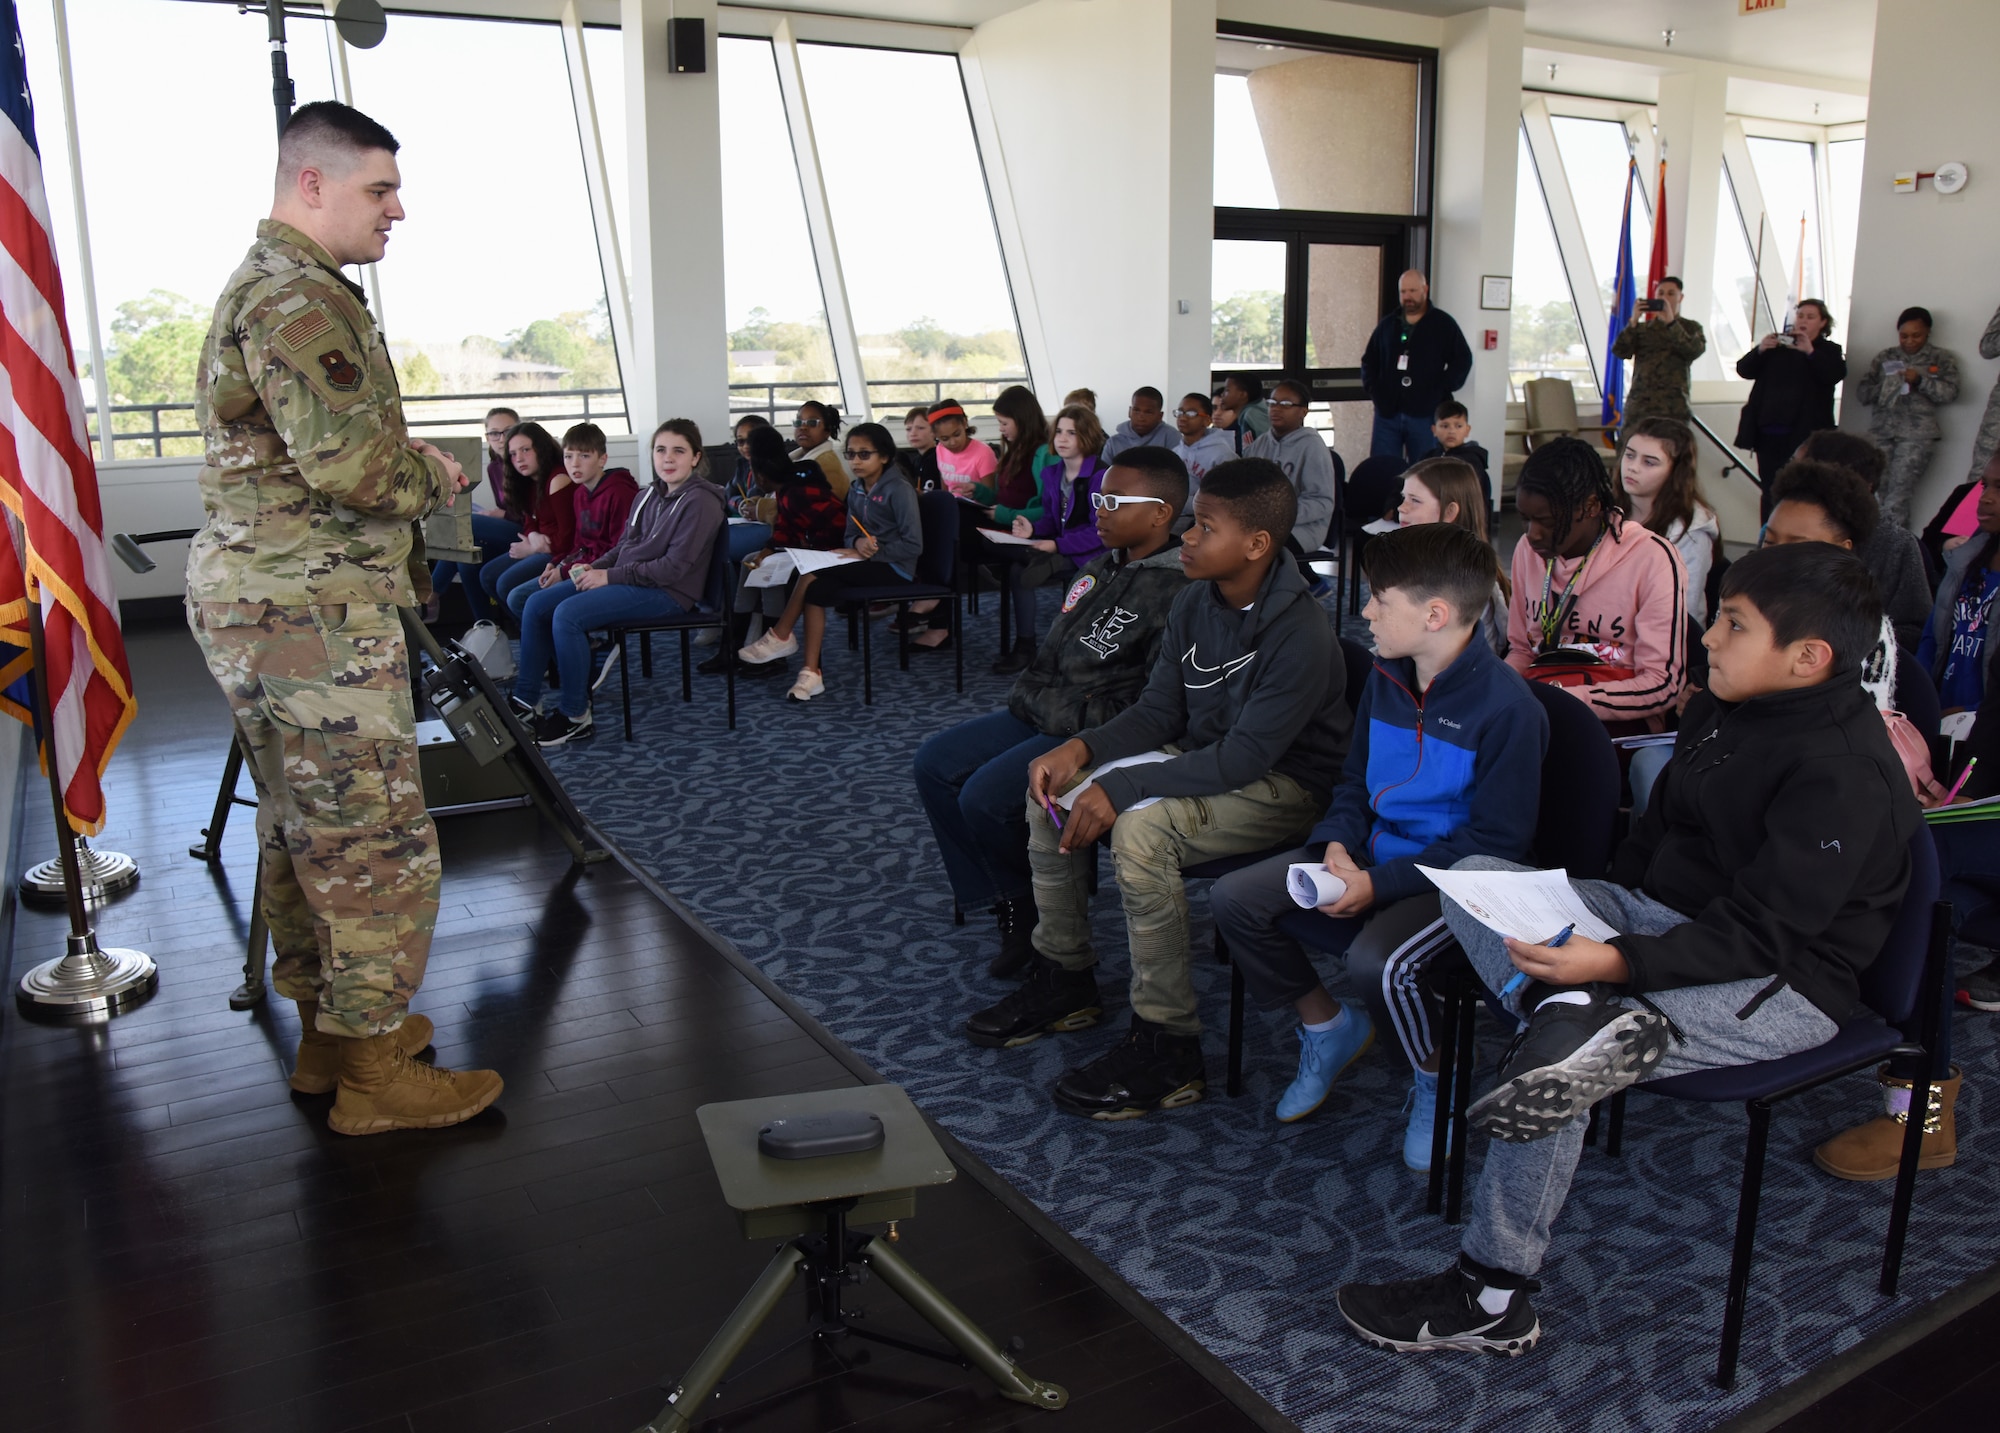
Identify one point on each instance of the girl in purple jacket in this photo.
(1065, 535)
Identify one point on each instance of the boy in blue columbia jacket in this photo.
(1445, 763)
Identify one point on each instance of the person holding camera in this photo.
(1904, 386)
(1663, 346)
(1792, 377)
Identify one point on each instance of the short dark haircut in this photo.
(327, 130)
(1568, 472)
(1835, 490)
(1252, 386)
(1161, 473)
(876, 437)
(1206, 403)
(548, 453)
(749, 421)
(1148, 391)
(1857, 454)
(1674, 279)
(1435, 559)
(1811, 589)
(1914, 311)
(1257, 493)
(770, 455)
(1451, 408)
(585, 438)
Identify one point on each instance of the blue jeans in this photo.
(746, 538)
(973, 780)
(1406, 436)
(560, 618)
(493, 535)
(504, 574)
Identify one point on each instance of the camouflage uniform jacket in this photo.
(309, 482)
(1903, 411)
(1662, 354)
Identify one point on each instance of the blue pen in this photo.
(1520, 977)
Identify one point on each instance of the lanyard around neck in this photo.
(1552, 618)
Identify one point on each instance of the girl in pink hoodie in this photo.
(1600, 604)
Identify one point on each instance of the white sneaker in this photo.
(707, 637)
(806, 687)
(768, 648)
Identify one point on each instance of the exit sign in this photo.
(1752, 7)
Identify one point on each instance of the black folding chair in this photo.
(711, 616)
(937, 576)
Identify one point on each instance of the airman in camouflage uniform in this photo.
(1903, 386)
(1989, 426)
(312, 487)
(1663, 347)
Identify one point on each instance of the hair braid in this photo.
(1568, 472)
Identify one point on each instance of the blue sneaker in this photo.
(1321, 1060)
(1421, 1105)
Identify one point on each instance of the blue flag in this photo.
(1624, 293)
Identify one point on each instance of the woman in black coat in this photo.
(1792, 378)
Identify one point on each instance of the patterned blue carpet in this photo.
(799, 838)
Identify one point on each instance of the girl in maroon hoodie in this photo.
(603, 498)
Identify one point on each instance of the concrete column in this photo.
(1694, 107)
(679, 364)
(1479, 123)
(1190, 194)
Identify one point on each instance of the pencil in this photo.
(864, 531)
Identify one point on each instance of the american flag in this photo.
(52, 549)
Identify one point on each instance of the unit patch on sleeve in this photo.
(1079, 590)
(339, 371)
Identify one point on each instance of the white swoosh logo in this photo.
(1226, 670)
(1424, 1334)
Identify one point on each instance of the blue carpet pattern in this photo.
(800, 839)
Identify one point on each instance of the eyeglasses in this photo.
(855, 455)
(1284, 403)
(1111, 502)
(1190, 413)
(496, 432)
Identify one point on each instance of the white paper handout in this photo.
(774, 571)
(1144, 758)
(1530, 906)
(807, 559)
(1381, 525)
(1006, 539)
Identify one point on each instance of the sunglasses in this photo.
(855, 455)
(809, 422)
(1111, 502)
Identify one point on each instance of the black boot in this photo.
(725, 651)
(1016, 660)
(1052, 1001)
(1017, 946)
(1153, 1069)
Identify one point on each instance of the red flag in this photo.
(49, 483)
(1657, 269)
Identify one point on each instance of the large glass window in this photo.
(1843, 175)
(929, 296)
(1546, 339)
(1275, 106)
(1738, 309)
(1247, 306)
(1791, 201)
(1597, 162)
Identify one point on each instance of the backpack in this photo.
(1878, 678)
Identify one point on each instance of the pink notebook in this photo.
(1964, 521)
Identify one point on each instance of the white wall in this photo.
(1930, 100)
(1097, 120)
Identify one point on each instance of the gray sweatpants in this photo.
(1522, 1186)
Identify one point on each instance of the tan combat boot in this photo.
(318, 1063)
(382, 1088)
(1872, 1151)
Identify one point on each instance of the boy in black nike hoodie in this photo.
(1758, 885)
(1246, 704)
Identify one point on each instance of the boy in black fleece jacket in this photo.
(1761, 881)
(1247, 699)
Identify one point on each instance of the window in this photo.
(1546, 338)
(922, 267)
(1247, 308)
(1733, 321)
(1843, 176)
(1791, 200)
(1596, 162)
(38, 39)
(604, 53)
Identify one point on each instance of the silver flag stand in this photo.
(89, 982)
(104, 874)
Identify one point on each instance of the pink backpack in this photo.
(1878, 676)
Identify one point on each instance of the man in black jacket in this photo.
(1415, 360)
(1761, 881)
(1234, 746)
(1089, 668)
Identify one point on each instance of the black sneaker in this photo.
(1419, 1315)
(555, 729)
(1052, 1001)
(1981, 989)
(1016, 660)
(1567, 1059)
(1152, 1069)
(1017, 946)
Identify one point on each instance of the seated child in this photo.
(885, 532)
(1304, 456)
(603, 500)
(1452, 427)
(1761, 881)
(658, 569)
(1955, 649)
(1246, 698)
(966, 466)
(1599, 604)
(1145, 425)
(550, 526)
(1060, 525)
(804, 513)
(1088, 669)
(919, 460)
(1442, 489)
(1200, 447)
(1656, 477)
(1445, 763)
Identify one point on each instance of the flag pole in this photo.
(88, 983)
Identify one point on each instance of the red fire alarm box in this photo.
(1492, 338)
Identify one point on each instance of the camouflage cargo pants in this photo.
(321, 697)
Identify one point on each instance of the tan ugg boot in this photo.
(382, 1088)
(1872, 1151)
(318, 1064)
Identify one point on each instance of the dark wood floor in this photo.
(186, 1246)
(1949, 1379)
